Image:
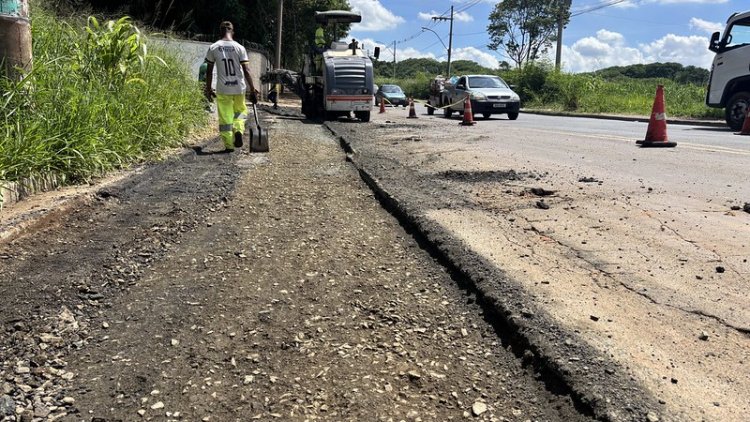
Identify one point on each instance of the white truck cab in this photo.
(729, 84)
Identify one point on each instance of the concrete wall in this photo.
(194, 52)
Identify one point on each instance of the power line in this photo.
(593, 8)
(468, 6)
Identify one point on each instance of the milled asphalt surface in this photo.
(602, 389)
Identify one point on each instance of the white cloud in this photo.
(412, 53)
(688, 50)
(463, 17)
(605, 49)
(460, 16)
(386, 51)
(629, 4)
(688, 1)
(472, 53)
(467, 53)
(706, 26)
(375, 17)
(609, 48)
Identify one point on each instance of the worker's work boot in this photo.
(238, 139)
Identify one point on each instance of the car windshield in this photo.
(486, 82)
(392, 89)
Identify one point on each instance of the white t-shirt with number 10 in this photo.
(228, 57)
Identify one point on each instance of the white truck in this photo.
(729, 84)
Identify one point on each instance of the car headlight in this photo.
(336, 92)
(478, 96)
(515, 98)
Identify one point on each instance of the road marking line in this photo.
(684, 144)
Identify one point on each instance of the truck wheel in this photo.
(362, 115)
(736, 109)
(486, 115)
(447, 112)
(430, 110)
(513, 116)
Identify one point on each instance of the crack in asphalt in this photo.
(581, 255)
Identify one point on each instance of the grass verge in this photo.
(97, 99)
(542, 88)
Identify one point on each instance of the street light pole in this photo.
(394, 60)
(15, 38)
(441, 42)
(450, 37)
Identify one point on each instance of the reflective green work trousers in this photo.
(232, 114)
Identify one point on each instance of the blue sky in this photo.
(630, 31)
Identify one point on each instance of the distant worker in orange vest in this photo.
(233, 77)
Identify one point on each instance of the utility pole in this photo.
(450, 37)
(15, 38)
(279, 23)
(563, 7)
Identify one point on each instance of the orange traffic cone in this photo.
(656, 134)
(412, 110)
(468, 114)
(382, 106)
(745, 126)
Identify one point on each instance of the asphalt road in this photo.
(708, 161)
(641, 252)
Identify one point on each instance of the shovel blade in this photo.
(258, 140)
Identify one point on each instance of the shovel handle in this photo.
(255, 114)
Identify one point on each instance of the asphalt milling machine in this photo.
(336, 81)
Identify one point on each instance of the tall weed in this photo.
(541, 87)
(97, 99)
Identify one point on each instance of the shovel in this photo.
(258, 135)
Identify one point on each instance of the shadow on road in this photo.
(712, 129)
(199, 151)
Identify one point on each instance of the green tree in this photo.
(524, 29)
(254, 20)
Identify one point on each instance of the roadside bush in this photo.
(528, 82)
(97, 99)
(544, 88)
(417, 87)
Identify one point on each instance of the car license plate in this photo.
(499, 105)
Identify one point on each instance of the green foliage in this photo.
(116, 51)
(254, 20)
(673, 71)
(95, 101)
(409, 68)
(541, 87)
(525, 29)
(417, 86)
